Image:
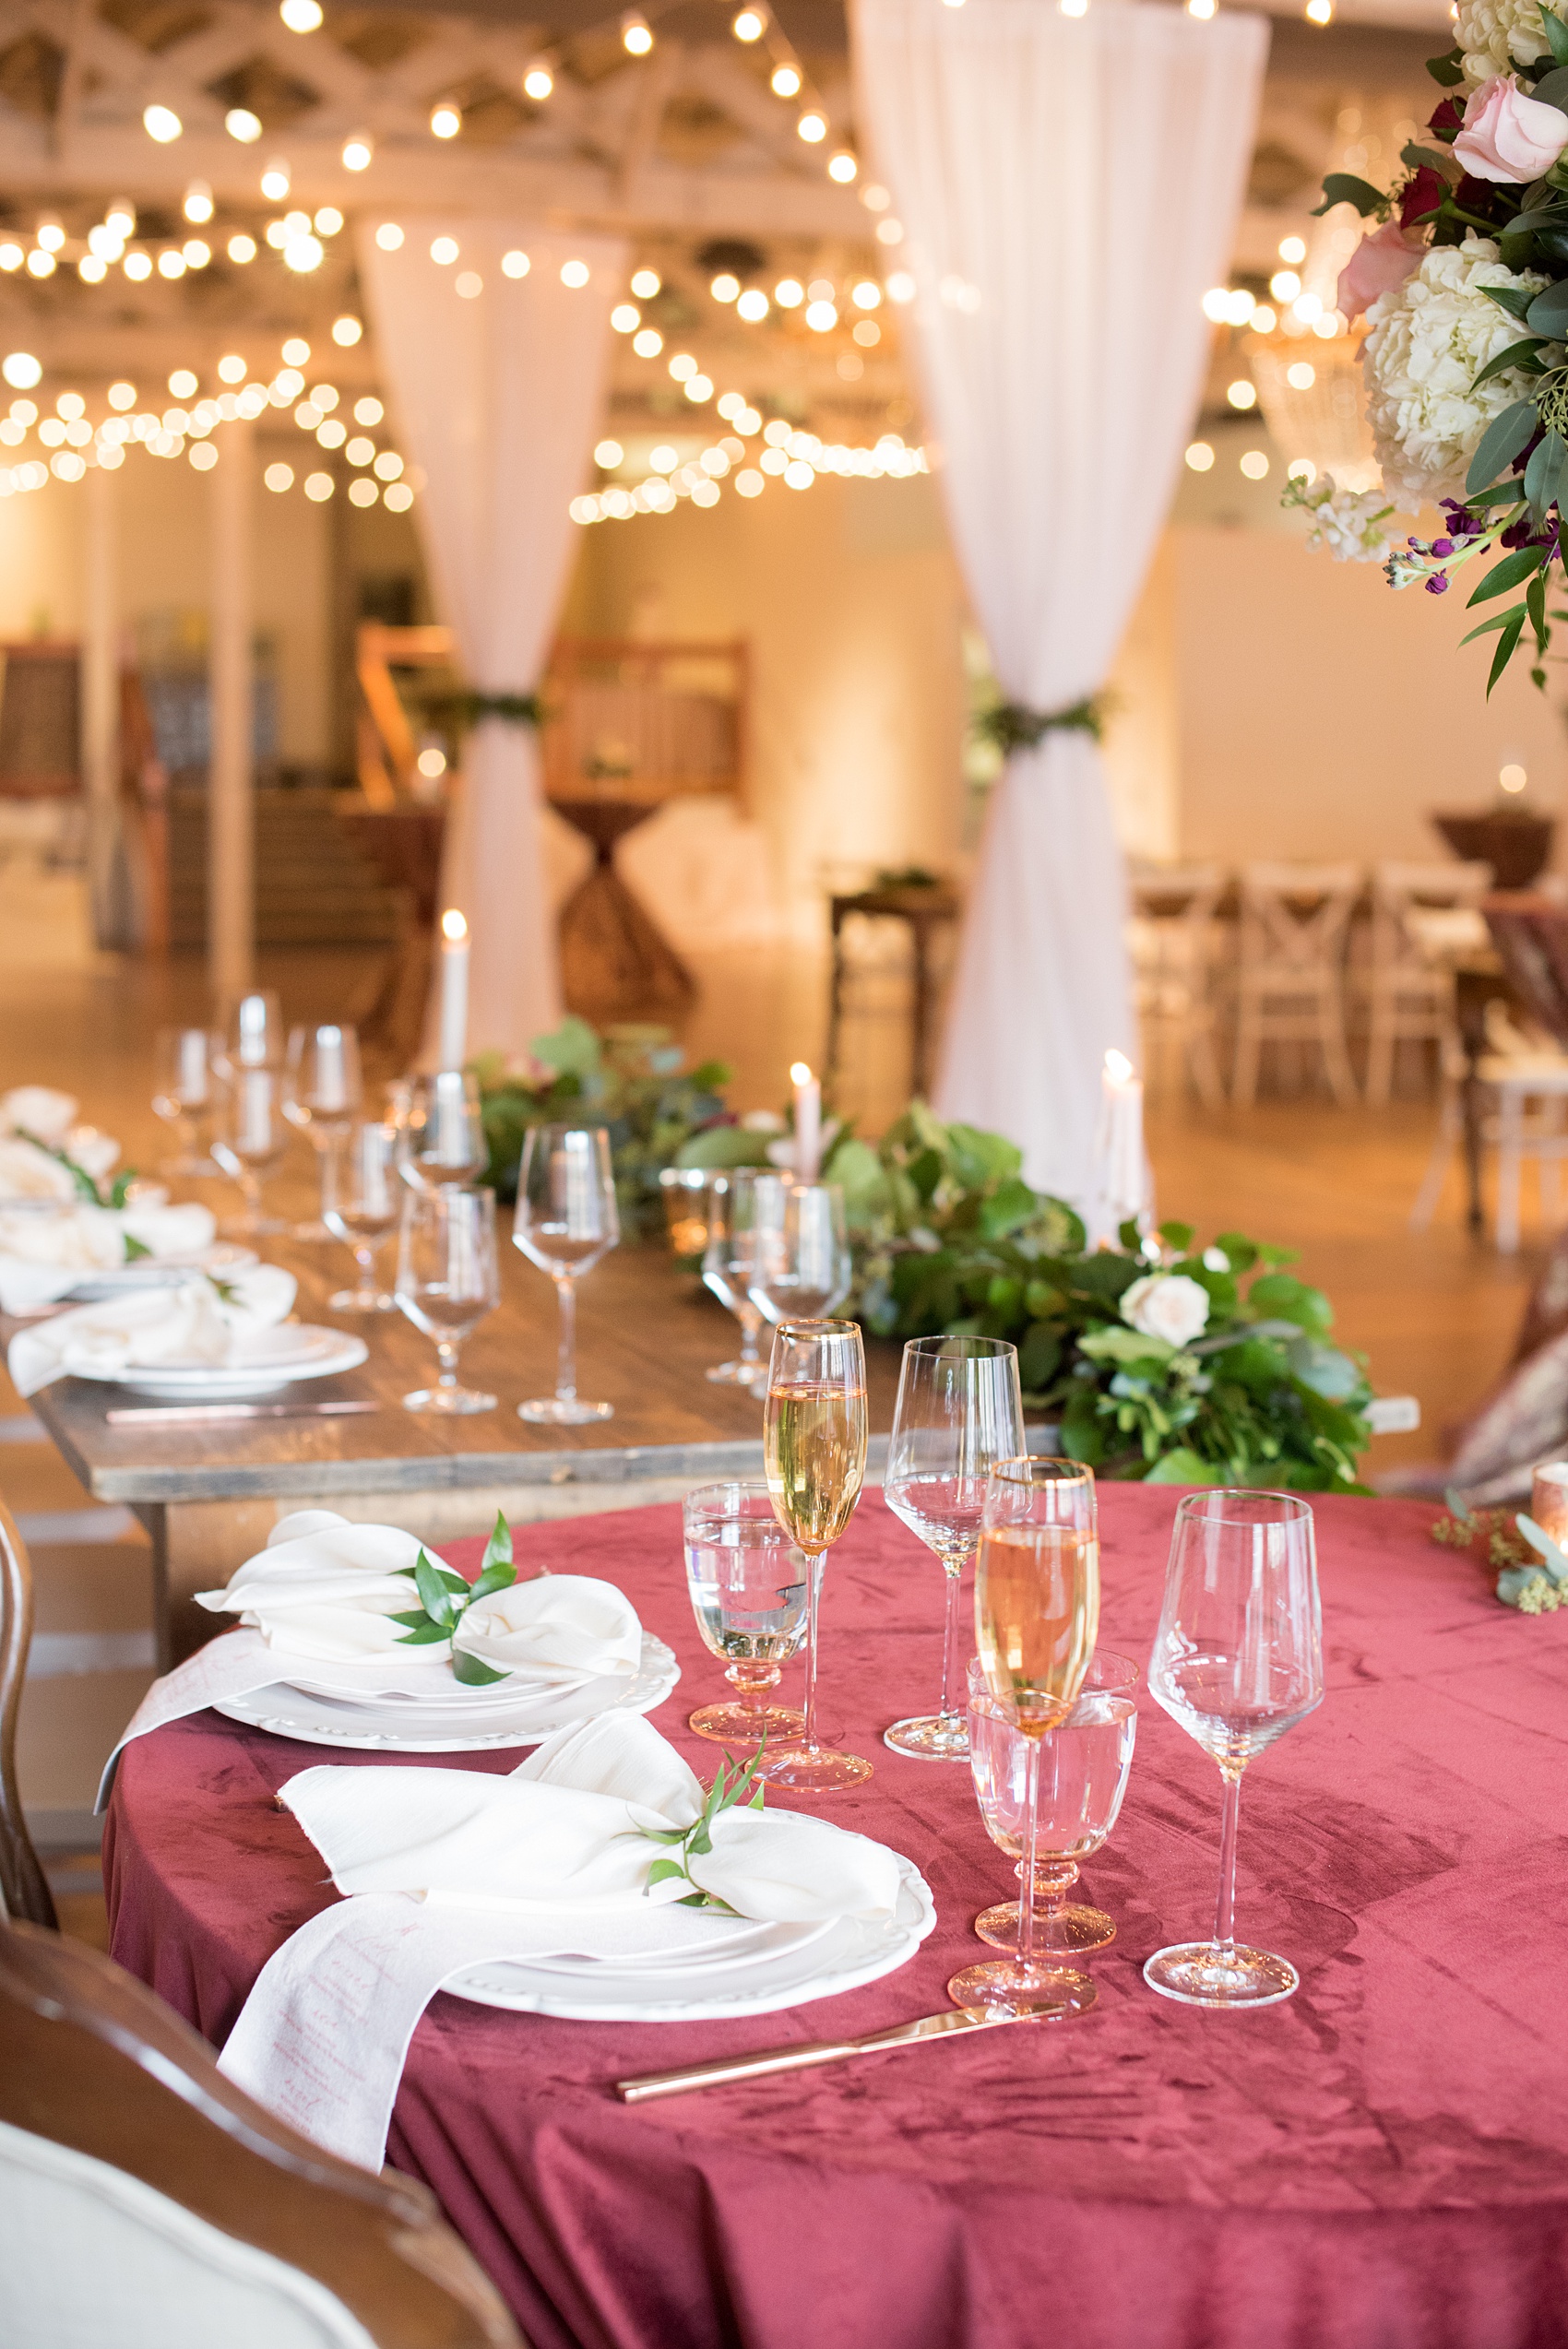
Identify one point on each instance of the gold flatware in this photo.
(817, 2051)
(187, 1414)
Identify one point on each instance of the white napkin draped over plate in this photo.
(195, 1321)
(42, 1257)
(444, 1869)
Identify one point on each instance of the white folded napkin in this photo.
(448, 1868)
(37, 1109)
(27, 1172)
(42, 1257)
(196, 1321)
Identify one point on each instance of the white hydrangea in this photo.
(1346, 524)
(1497, 35)
(1430, 340)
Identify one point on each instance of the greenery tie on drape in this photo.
(1013, 725)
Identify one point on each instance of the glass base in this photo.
(737, 1373)
(315, 1230)
(362, 1301)
(191, 1168)
(251, 1226)
(814, 1770)
(1049, 1989)
(1199, 1975)
(563, 1411)
(931, 1737)
(1071, 1932)
(455, 1402)
(746, 1725)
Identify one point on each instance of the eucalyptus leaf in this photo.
(1551, 1557)
(1547, 312)
(1556, 32)
(1500, 443)
(1506, 360)
(1552, 88)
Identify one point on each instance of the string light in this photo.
(750, 25)
(240, 123)
(575, 273)
(786, 81)
(636, 33)
(842, 167)
(446, 121)
(646, 283)
(358, 152)
(389, 236)
(797, 458)
(812, 127)
(752, 305)
(275, 181)
(1199, 456)
(539, 81)
(301, 16)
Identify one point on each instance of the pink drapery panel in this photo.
(1069, 187)
(498, 399)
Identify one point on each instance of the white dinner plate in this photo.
(256, 1363)
(364, 1726)
(222, 1259)
(785, 1965)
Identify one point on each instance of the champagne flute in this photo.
(959, 1411)
(742, 1203)
(442, 1129)
(447, 1281)
(250, 1136)
(1237, 1661)
(1037, 1614)
(361, 1198)
(801, 1266)
(184, 1083)
(814, 1450)
(748, 1584)
(565, 1221)
(322, 1092)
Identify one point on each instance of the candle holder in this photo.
(1548, 1499)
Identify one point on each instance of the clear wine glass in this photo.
(249, 1139)
(360, 1200)
(802, 1265)
(959, 1411)
(186, 1082)
(1084, 1765)
(322, 1094)
(442, 1129)
(447, 1281)
(1037, 1615)
(741, 1202)
(254, 1039)
(814, 1449)
(748, 1583)
(1237, 1661)
(565, 1221)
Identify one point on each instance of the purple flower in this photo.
(1443, 546)
(1437, 585)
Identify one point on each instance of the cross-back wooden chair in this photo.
(146, 2201)
(1290, 977)
(23, 1890)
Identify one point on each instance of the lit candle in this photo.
(1549, 1501)
(808, 1121)
(454, 990)
(1121, 1169)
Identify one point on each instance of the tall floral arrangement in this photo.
(1463, 285)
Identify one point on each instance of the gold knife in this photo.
(801, 2059)
(191, 1415)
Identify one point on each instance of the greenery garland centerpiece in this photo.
(1532, 1572)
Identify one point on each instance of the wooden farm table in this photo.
(208, 1496)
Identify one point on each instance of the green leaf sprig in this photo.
(86, 1186)
(727, 1789)
(446, 1599)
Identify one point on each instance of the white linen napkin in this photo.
(448, 1868)
(196, 1321)
(37, 1109)
(42, 1257)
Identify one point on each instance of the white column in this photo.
(100, 712)
(231, 790)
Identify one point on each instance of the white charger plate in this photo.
(225, 1256)
(366, 1726)
(257, 1363)
(788, 1965)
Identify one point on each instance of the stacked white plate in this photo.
(257, 1362)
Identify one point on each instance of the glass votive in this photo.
(1548, 1499)
(685, 1193)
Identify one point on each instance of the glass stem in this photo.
(1031, 1837)
(364, 1257)
(813, 1610)
(446, 1355)
(751, 1321)
(567, 1352)
(1225, 1907)
(954, 1570)
(250, 1190)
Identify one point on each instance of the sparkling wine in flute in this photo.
(814, 1450)
(1037, 1617)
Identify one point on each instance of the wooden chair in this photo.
(1423, 915)
(1171, 937)
(144, 2201)
(23, 1890)
(1290, 982)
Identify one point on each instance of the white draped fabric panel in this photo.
(1069, 187)
(498, 401)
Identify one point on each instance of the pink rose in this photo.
(1507, 136)
(1379, 264)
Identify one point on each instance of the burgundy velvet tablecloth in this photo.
(1380, 2162)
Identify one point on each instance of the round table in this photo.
(1380, 2162)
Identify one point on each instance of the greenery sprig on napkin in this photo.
(445, 1597)
(87, 1188)
(729, 1788)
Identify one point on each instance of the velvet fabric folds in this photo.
(1380, 2162)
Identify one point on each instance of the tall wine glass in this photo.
(814, 1449)
(250, 1136)
(1037, 1615)
(748, 1584)
(322, 1092)
(360, 1198)
(447, 1281)
(959, 1411)
(567, 1219)
(254, 1039)
(184, 1085)
(1237, 1661)
(442, 1129)
(801, 1267)
(742, 1203)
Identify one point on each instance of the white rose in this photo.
(38, 1110)
(1429, 338)
(1167, 1305)
(1497, 35)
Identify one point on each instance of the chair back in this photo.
(1294, 918)
(146, 2201)
(23, 1890)
(1425, 913)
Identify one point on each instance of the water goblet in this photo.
(442, 1129)
(447, 1281)
(959, 1411)
(565, 1221)
(250, 1136)
(1237, 1661)
(814, 1451)
(184, 1085)
(748, 1583)
(742, 1203)
(322, 1092)
(360, 1198)
(1037, 1614)
(1084, 1765)
(801, 1266)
